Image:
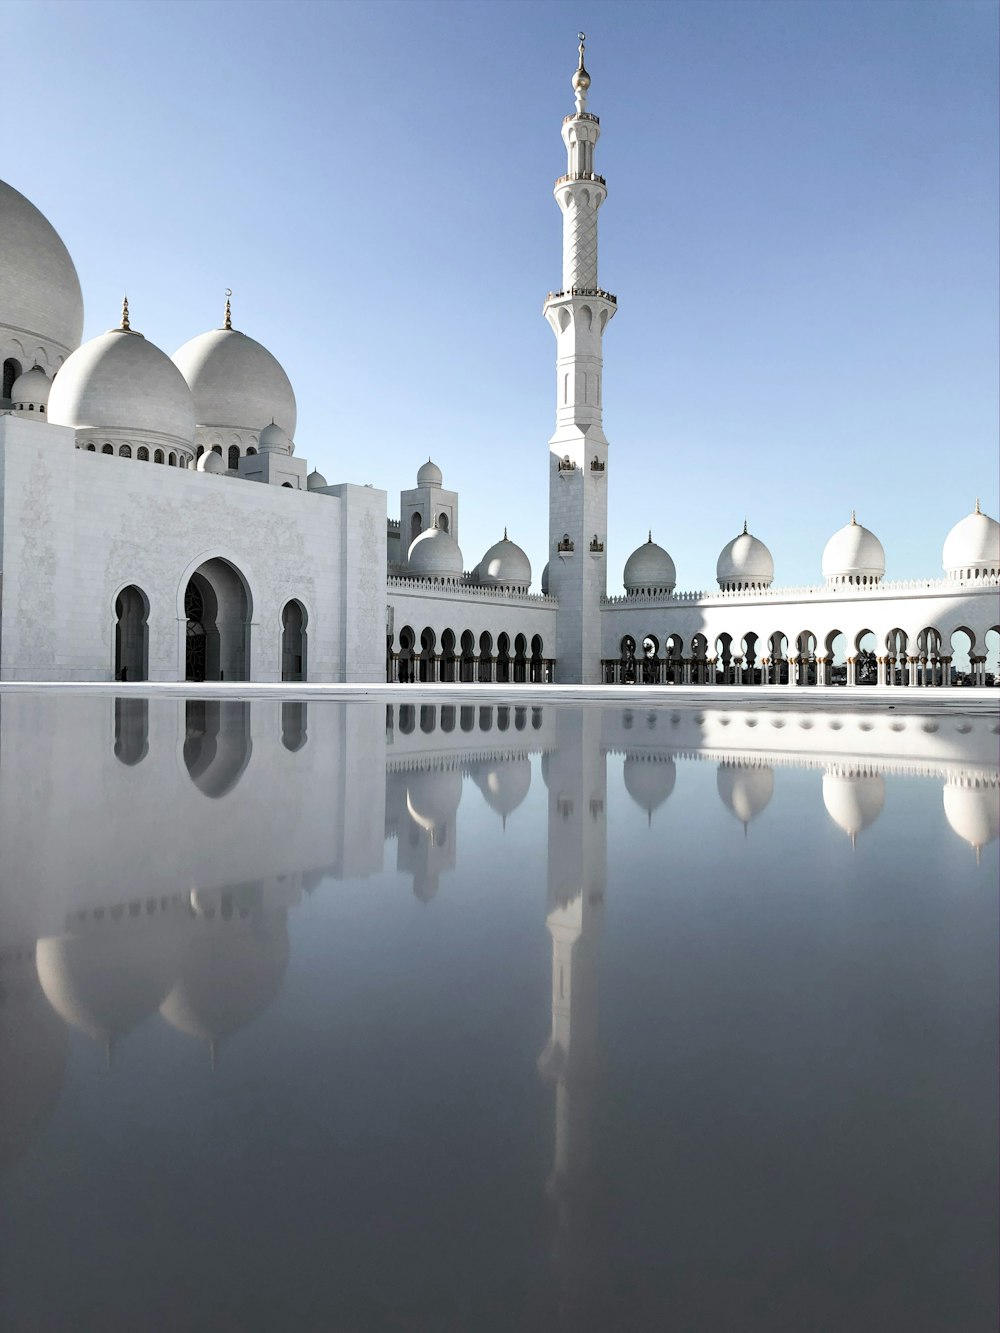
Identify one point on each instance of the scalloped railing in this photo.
(841, 591)
(472, 591)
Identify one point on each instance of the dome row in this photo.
(435, 554)
(852, 556)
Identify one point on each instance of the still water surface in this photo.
(342, 1017)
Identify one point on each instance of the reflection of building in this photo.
(117, 460)
(156, 849)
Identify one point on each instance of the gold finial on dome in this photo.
(745, 533)
(650, 538)
(581, 79)
(229, 310)
(505, 537)
(978, 510)
(854, 519)
(125, 326)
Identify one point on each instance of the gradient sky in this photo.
(801, 229)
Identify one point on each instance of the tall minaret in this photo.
(578, 451)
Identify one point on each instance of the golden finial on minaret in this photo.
(126, 327)
(581, 79)
(229, 310)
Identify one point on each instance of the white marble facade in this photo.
(133, 547)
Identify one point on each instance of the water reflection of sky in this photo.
(341, 1017)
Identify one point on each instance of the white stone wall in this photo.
(78, 527)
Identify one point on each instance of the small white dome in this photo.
(649, 569)
(505, 565)
(745, 562)
(853, 799)
(119, 384)
(745, 789)
(545, 580)
(973, 546)
(212, 462)
(40, 297)
(30, 392)
(504, 784)
(649, 779)
(235, 382)
(972, 808)
(429, 474)
(436, 554)
(853, 555)
(273, 440)
(315, 481)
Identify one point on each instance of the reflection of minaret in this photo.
(577, 875)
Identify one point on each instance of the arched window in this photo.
(293, 642)
(416, 524)
(158, 456)
(172, 460)
(125, 451)
(234, 457)
(199, 451)
(131, 634)
(91, 448)
(287, 486)
(11, 370)
(443, 522)
(143, 454)
(251, 450)
(217, 449)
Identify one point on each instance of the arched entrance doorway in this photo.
(217, 609)
(131, 634)
(293, 642)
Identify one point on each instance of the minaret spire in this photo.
(578, 314)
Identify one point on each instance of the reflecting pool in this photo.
(474, 1016)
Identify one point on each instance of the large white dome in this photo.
(236, 383)
(745, 562)
(41, 306)
(649, 569)
(434, 554)
(505, 565)
(972, 548)
(853, 555)
(119, 385)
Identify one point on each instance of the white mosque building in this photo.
(115, 571)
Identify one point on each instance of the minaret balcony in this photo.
(581, 176)
(583, 291)
(582, 115)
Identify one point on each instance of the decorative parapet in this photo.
(392, 524)
(583, 291)
(466, 591)
(581, 176)
(566, 464)
(581, 115)
(596, 465)
(595, 545)
(816, 592)
(566, 544)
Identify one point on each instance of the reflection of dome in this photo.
(853, 555)
(34, 1043)
(745, 562)
(231, 971)
(235, 382)
(434, 554)
(649, 779)
(40, 298)
(972, 808)
(745, 789)
(854, 798)
(112, 975)
(432, 796)
(212, 462)
(118, 384)
(429, 474)
(504, 784)
(972, 547)
(505, 565)
(30, 393)
(649, 569)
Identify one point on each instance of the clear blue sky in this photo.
(801, 229)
